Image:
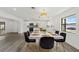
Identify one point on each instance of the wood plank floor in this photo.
(16, 43)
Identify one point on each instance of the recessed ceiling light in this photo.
(14, 9)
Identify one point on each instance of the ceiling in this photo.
(28, 12)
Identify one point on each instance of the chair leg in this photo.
(63, 47)
(56, 46)
(39, 48)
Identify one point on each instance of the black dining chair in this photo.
(29, 41)
(31, 29)
(27, 38)
(57, 32)
(47, 42)
(61, 41)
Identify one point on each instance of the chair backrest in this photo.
(47, 42)
(57, 32)
(64, 35)
(31, 29)
(26, 36)
(28, 33)
(25, 33)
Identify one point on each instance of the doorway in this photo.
(2, 27)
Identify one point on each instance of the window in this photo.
(68, 24)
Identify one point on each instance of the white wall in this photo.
(19, 25)
(12, 25)
(72, 39)
(40, 23)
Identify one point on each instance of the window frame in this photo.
(63, 25)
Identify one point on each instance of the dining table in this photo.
(39, 34)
